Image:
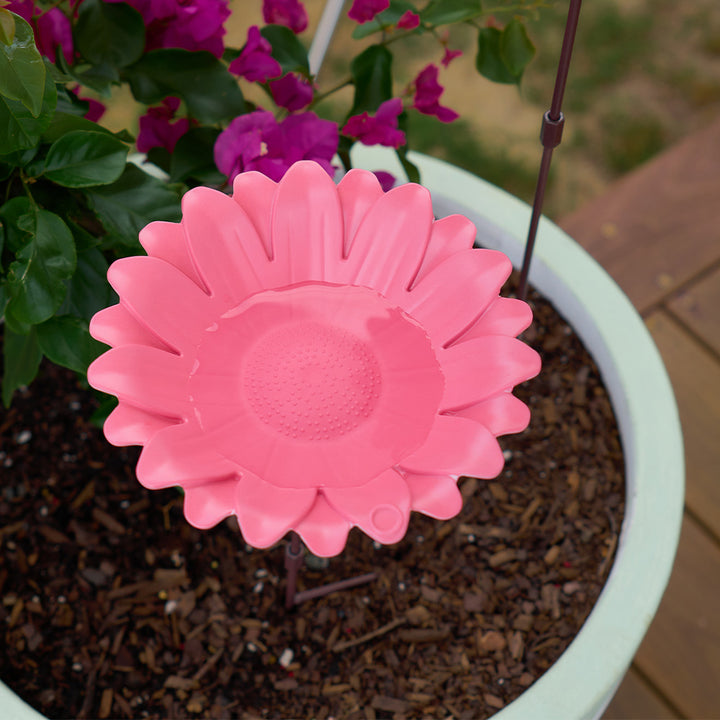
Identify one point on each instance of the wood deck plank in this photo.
(636, 700)
(695, 375)
(681, 652)
(699, 308)
(657, 227)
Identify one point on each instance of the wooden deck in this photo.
(657, 232)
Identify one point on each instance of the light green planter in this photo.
(582, 682)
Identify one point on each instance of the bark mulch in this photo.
(112, 606)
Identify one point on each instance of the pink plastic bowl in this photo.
(313, 357)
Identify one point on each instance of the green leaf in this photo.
(130, 203)
(286, 49)
(10, 214)
(19, 128)
(372, 75)
(411, 170)
(22, 70)
(445, 12)
(81, 159)
(36, 279)
(21, 360)
(88, 290)
(386, 19)
(193, 157)
(199, 78)
(63, 123)
(516, 48)
(7, 26)
(489, 61)
(109, 33)
(66, 341)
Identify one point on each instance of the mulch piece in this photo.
(113, 606)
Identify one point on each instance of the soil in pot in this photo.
(113, 606)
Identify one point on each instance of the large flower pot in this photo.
(581, 683)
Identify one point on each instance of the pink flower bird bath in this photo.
(312, 357)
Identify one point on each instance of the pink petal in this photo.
(505, 316)
(128, 425)
(115, 326)
(456, 292)
(448, 236)
(206, 505)
(307, 225)
(254, 193)
(266, 512)
(456, 446)
(166, 240)
(224, 246)
(323, 530)
(381, 507)
(435, 495)
(359, 190)
(479, 368)
(500, 414)
(163, 299)
(182, 455)
(145, 377)
(390, 243)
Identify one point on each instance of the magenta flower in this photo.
(290, 13)
(363, 11)
(427, 95)
(292, 92)
(386, 179)
(256, 141)
(157, 128)
(187, 24)
(409, 20)
(255, 63)
(313, 357)
(449, 56)
(381, 129)
(52, 29)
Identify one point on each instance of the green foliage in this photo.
(7, 26)
(286, 49)
(22, 70)
(503, 55)
(386, 19)
(66, 341)
(199, 78)
(109, 34)
(372, 75)
(130, 203)
(21, 360)
(445, 12)
(81, 159)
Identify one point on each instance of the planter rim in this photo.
(583, 680)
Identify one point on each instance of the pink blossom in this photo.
(95, 110)
(427, 95)
(363, 11)
(290, 13)
(156, 128)
(450, 55)
(187, 24)
(52, 29)
(256, 141)
(386, 179)
(409, 20)
(381, 129)
(291, 92)
(356, 345)
(255, 63)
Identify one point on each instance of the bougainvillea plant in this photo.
(71, 202)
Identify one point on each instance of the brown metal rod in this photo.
(550, 136)
(334, 587)
(293, 561)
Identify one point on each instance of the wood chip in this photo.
(390, 704)
(108, 521)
